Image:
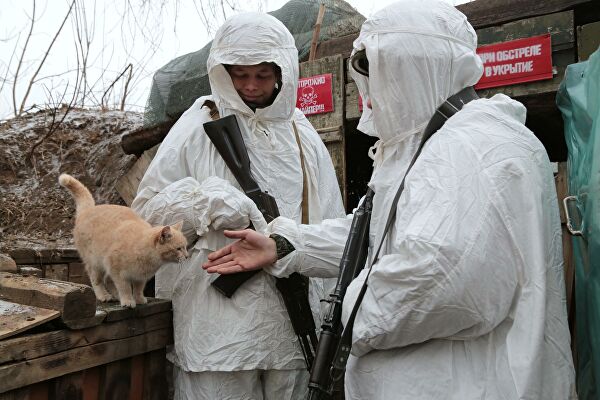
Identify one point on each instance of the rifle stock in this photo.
(225, 134)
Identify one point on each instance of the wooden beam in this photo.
(37, 345)
(117, 313)
(127, 185)
(339, 45)
(336, 149)
(27, 255)
(142, 139)
(316, 33)
(25, 373)
(484, 13)
(72, 300)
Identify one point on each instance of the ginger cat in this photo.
(114, 241)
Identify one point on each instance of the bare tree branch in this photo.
(44, 58)
(5, 78)
(130, 66)
(103, 105)
(16, 77)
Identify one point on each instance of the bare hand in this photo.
(252, 251)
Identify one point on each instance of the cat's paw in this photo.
(128, 303)
(105, 297)
(141, 300)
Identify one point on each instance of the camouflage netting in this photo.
(176, 85)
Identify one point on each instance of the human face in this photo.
(254, 83)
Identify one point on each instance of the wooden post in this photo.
(316, 32)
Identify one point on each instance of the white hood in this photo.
(419, 55)
(250, 39)
(420, 52)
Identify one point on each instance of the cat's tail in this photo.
(83, 197)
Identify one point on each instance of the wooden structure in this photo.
(56, 343)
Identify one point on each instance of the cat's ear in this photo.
(165, 234)
(178, 226)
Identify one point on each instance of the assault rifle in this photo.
(325, 373)
(226, 136)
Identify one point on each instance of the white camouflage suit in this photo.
(243, 347)
(466, 300)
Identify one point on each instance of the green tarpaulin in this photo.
(579, 101)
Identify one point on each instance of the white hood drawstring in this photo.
(379, 151)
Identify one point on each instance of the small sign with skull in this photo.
(315, 94)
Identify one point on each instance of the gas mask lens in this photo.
(360, 63)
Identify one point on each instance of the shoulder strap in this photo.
(450, 107)
(304, 178)
(213, 110)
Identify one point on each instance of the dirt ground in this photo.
(34, 210)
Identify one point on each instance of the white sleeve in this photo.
(318, 247)
(170, 192)
(449, 266)
(163, 194)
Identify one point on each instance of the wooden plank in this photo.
(549, 86)
(116, 313)
(331, 134)
(117, 380)
(155, 376)
(24, 373)
(16, 318)
(72, 300)
(352, 110)
(38, 345)
(44, 256)
(28, 270)
(58, 272)
(588, 40)
(340, 45)
(137, 378)
(91, 383)
(562, 191)
(38, 391)
(83, 323)
(335, 66)
(483, 13)
(78, 274)
(127, 185)
(560, 26)
(67, 387)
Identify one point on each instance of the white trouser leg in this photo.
(240, 385)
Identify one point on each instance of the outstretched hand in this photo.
(252, 251)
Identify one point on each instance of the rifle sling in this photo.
(305, 215)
